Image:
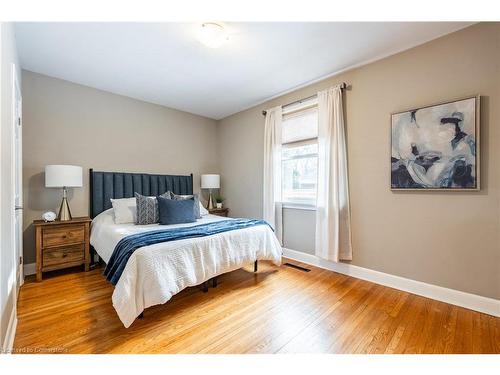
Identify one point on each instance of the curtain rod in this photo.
(343, 85)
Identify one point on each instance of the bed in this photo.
(154, 273)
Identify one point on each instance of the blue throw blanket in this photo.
(129, 244)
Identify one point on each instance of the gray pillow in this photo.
(186, 197)
(147, 209)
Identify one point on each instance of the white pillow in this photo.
(203, 210)
(125, 210)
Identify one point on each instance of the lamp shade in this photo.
(63, 176)
(210, 181)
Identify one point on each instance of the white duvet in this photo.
(155, 273)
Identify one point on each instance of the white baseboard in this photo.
(29, 269)
(455, 297)
(10, 333)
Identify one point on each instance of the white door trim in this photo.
(17, 148)
(455, 297)
(10, 334)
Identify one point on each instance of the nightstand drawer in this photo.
(62, 255)
(63, 235)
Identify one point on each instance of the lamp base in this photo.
(210, 205)
(64, 212)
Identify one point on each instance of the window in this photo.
(299, 155)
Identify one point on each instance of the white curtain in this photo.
(333, 228)
(272, 171)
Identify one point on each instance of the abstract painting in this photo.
(436, 147)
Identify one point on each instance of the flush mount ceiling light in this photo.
(212, 35)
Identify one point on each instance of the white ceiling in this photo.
(163, 63)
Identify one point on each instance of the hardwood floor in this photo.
(277, 310)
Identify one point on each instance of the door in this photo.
(17, 179)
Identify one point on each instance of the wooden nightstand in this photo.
(219, 211)
(62, 244)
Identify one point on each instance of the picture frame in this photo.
(436, 147)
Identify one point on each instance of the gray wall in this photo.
(449, 239)
(67, 123)
(8, 264)
(299, 229)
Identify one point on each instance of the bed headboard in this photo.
(112, 185)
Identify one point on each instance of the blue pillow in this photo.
(193, 197)
(176, 212)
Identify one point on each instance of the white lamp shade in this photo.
(210, 181)
(63, 176)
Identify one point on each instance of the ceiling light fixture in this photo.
(212, 35)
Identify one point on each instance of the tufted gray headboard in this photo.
(107, 185)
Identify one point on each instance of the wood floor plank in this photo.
(463, 336)
(386, 331)
(434, 344)
(279, 309)
(451, 331)
(494, 333)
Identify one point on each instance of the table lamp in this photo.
(63, 176)
(210, 181)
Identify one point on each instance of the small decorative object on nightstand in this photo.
(62, 244)
(49, 216)
(218, 201)
(219, 211)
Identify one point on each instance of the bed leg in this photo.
(141, 315)
(255, 266)
(205, 287)
(214, 282)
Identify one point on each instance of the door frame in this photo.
(16, 120)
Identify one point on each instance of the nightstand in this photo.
(219, 211)
(62, 244)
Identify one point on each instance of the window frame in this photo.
(301, 107)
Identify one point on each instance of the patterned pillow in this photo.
(147, 209)
(185, 197)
